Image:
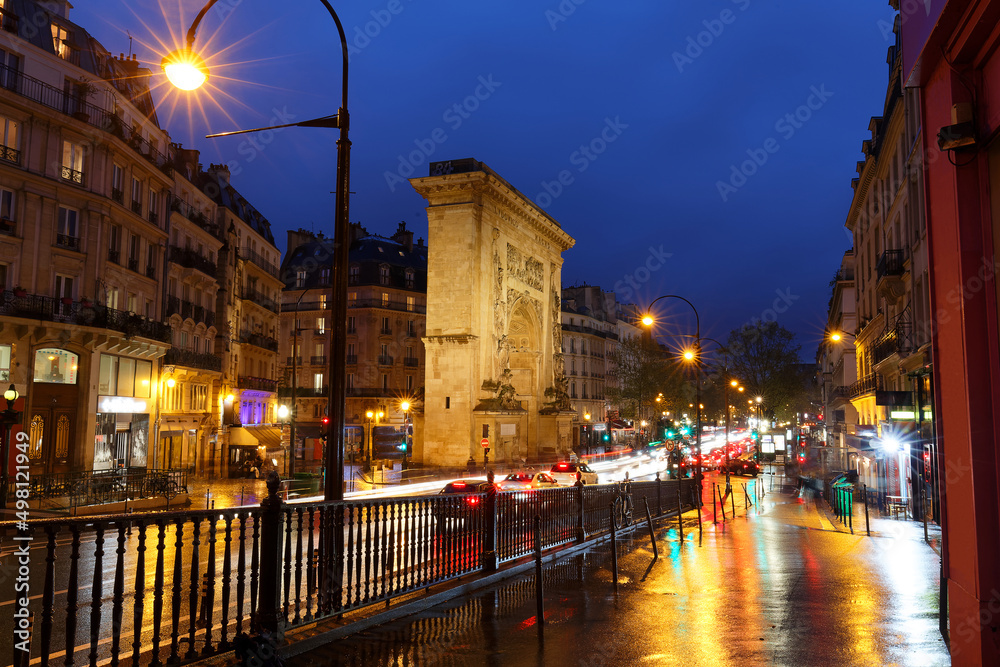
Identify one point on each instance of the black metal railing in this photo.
(151, 271)
(117, 195)
(67, 241)
(866, 385)
(352, 359)
(37, 307)
(250, 294)
(304, 392)
(202, 360)
(137, 207)
(198, 578)
(8, 227)
(317, 359)
(261, 384)
(890, 263)
(897, 340)
(9, 154)
(259, 340)
(114, 256)
(384, 360)
(71, 175)
(256, 258)
(411, 361)
(391, 304)
(185, 209)
(190, 259)
(100, 487)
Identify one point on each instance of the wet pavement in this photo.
(784, 583)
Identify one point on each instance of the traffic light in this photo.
(606, 438)
(326, 421)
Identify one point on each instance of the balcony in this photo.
(114, 256)
(866, 385)
(178, 205)
(8, 154)
(411, 361)
(317, 360)
(392, 304)
(133, 264)
(255, 258)
(151, 272)
(293, 361)
(118, 196)
(304, 392)
(384, 360)
(188, 359)
(259, 340)
(186, 310)
(8, 227)
(137, 207)
(8, 21)
(897, 340)
(385, 331)
(190, 259)
(890, 269)
(49, 309)
(250, 294)
(71, 175)
(260, 384)
(67, 241)
(352, 359)
(153, 217)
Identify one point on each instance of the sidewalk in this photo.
(781, 584)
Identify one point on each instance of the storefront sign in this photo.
(120, 404)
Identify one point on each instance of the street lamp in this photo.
(187, 71)
(372, 416)
(586, 418)
(283, 413)
(10, 417)
(648, 320)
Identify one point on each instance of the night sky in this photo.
(645, 106)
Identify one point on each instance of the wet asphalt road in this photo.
(783, 584)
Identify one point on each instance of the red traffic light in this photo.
(326, 420)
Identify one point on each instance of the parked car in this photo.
(741, 467)
(470, 509)
(520, 481)
(564, 472)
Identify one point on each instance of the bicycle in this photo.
(622, 509)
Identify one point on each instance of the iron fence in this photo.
(198, 578)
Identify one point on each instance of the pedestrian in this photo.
(254, 471)
(579, 479)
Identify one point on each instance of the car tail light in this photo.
(472, 500)
(459, 485)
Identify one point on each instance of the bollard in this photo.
(746, 498)
(539, 598)
(680, 523)
(652, 535)
(732, 502)
(715, 512)
(868, 528)
(614, 549)
(722, 504)
(849, 496)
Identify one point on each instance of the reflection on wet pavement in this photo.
(774, 587)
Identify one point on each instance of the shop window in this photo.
(55, 366)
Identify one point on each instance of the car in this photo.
(470, 508)
(520, 481)
(741, 467)
(564, 472)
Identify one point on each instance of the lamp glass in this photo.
(11, 394)
(369, 414)
(647, 320)
(185, 69)
(282, 412)
(404, 406)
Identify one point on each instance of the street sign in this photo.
(485, 442)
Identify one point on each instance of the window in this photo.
(300, 278)
(383, 274)
(384, 350)
(66, 232)
(385, 326)
(351, 351)
(55, 366)
(409, 383)
(136, 196)
(131, 303)
(199, 397)
(4, 363)
(350, 381)
(72, 162)
(385, 381)
(151, 261)
(318, 381)
(411, 303)
(322, 302)
(352, 325)
(409, 278)
(320, 325)
(112, 298)
(353, 274)
(64, 286)
(410, 329)
(60, 42)
(114, 243)
(9, 130)
(3, 277)
(153, 204)
(324, 276)
(385, 299)
(118, 184)
(6, 212)
(133, 252)
(352, 299)
(10, 63)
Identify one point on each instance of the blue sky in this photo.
(645, 108)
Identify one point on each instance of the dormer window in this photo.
(409, 278)
(60, 42)
(383, 274)
(353, 274)
(300, 278)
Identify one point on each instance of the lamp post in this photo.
(648, 320)
(283, 413)
(405, 407)
(586, 418)
(188, 71)
(373, 420)
(10, 417)
(760, 415)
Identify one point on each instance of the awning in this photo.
(172, 427)
(269, 436)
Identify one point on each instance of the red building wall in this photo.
(958, 65)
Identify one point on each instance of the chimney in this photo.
(220, 170)
(403, 236)
(297, 238)
(420, 242)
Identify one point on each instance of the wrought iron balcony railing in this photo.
(189, 359)
(38, 307)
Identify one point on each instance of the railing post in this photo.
(270, 558)
(490, 527)
(659, 495)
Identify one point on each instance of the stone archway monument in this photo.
(493, 343)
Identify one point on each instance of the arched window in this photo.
(55, 366)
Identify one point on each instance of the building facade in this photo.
(84, 186)
(837, 363)
(386, 310)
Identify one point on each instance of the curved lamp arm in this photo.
(697, 321)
